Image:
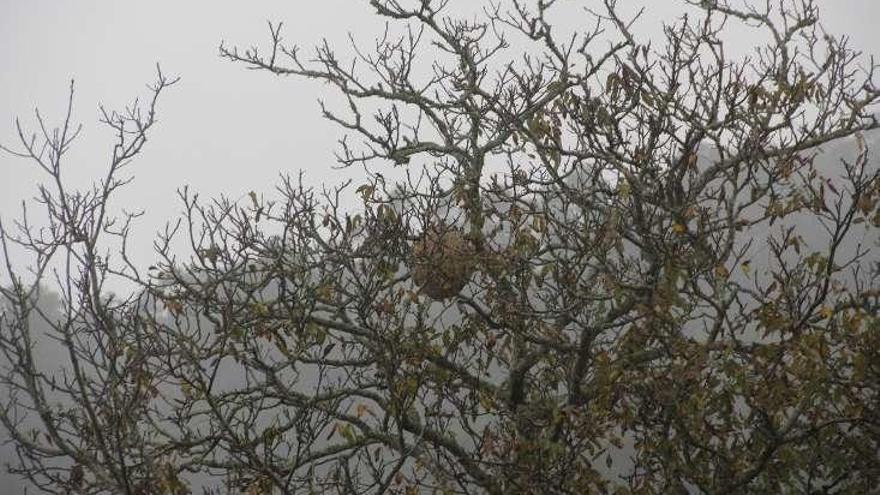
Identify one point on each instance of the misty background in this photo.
(222, 129)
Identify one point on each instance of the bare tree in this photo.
(578, 262)
(79, 425)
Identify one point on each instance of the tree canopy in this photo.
(578, 261)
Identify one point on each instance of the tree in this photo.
(577, 263)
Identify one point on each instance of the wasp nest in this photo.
(442, 262)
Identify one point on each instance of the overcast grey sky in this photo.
(223, 129)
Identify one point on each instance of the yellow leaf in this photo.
(324, 291)
(362, 409)
(260, 309)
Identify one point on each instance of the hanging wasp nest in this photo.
(442, 262)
